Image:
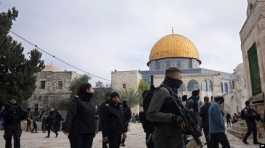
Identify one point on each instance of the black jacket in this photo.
(205, 116)
(250, 115)
(127, 116)
(112, 119)
(81, 117)
(54, 120)
(13, 115)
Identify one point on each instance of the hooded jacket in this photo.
(216, 119)
(81, 117)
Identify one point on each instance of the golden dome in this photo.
(174, 46)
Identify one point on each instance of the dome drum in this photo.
(181, 63)
(174, 46)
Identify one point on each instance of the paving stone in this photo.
(136, 139)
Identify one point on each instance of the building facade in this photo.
(239, 94)
(253, 50)
(175, 50)
(52, 87)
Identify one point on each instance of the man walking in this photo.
(80, 123)
(50, 122)
(205, 119)
(228, 120)
(112, 118)
(162, 111)
(13, 115)
(57, 119)
(250, 116)
(217, 124)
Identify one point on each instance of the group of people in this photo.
(50, 121)
(81, 121)
(12, 115)
(168, 119)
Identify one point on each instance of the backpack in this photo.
(147, 97)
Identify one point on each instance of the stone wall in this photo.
(253, 31)
(52, 94)
(121, 80)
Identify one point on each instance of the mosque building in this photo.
(174, 50)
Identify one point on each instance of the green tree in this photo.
(77, 83)
(133, 97)
(102, 94)
(17, 71)
(143, 86)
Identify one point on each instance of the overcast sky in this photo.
(102, 35)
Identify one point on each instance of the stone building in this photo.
(52, 87)
(175, 50)
(240, 93)
(253, 50)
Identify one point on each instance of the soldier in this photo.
(161, 111)
(112, 119)
(80, 123)
(250, 116)
(13, 115)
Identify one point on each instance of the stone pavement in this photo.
(135, 140)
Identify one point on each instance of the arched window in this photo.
(193, 85)
(204, 86)
(182, 88)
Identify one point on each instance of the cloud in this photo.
(101, 36)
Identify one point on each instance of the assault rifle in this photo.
(190, 125)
